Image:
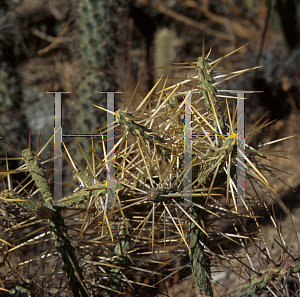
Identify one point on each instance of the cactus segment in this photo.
(151, 226)
(126, 121)
(12, 197)
(200, 261)
(258, 282)
(38, 176)
(58, 229)
(209, 91)
(119, 262)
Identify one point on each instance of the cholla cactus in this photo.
(94, 50)
(109, 246)
(164, 52)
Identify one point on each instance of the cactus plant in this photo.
(164, 52)
(107, 248)
(96, 22)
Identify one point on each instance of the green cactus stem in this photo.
(259, 281)
(123, 239)
(120, 250)
(200, 262)
(209, 91)
(142, 132)
(58, 229)
(18, 199)
(38, 176)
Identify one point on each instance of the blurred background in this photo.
(86, 46)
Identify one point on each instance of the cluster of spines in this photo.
(45, 210)
(143, 193)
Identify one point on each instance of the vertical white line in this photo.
(110, 187)
(57, 146)
(240, 169)
(110, 146)
(188, 151)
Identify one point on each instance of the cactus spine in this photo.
(260, 281)
(117, 242)
(45, 210)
